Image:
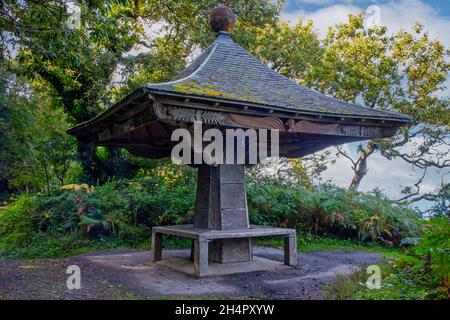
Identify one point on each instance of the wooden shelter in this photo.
(226, 87)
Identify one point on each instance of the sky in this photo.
(442, 7)
(389, 176)
(395, 14)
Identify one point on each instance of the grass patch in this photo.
(310, 244)
(351, 287)
(60, 247)
(395, 285)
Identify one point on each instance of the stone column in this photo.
(221, 204)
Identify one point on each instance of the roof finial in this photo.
(221, 18)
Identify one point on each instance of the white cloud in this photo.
(317, 2)
(445, 92)
(323, 18)
(394, 14)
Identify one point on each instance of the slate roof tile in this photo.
(226, 71)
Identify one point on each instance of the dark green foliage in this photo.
(5, 141)
(122, 212)
(419, 272)
(119, 212)
(429, 265)
(332, 211)
(36, 153)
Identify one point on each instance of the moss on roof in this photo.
(212, 90)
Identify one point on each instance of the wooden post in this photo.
(191, 255)
(156, 251)
(290, 250)
(200, 257)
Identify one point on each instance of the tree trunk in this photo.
(47, 178)
(99, 171)
(360, 169)
(89, 162)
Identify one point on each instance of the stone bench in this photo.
(201, 238)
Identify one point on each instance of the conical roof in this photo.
(227, 72)
(227, 87)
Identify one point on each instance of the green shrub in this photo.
(122, 212)
(16, 222)
(419, 272)
(429, 261)
(332, 211)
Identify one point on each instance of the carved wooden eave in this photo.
(217, 104)
(146, 128)
(139, 101)
(175, 114)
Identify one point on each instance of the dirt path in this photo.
(131, 275)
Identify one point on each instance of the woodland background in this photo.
(61, 196)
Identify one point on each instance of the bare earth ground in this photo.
(130, 274)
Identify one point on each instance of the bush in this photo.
(16, 227)
(427, 263)
(333, 211)
(419, 272)
(122, 212)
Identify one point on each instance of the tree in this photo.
(36, 153)
(79, 65)
(293, 51)
(5, 141)
(75, 63)
(402, 72)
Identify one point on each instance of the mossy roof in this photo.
(225, 71)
